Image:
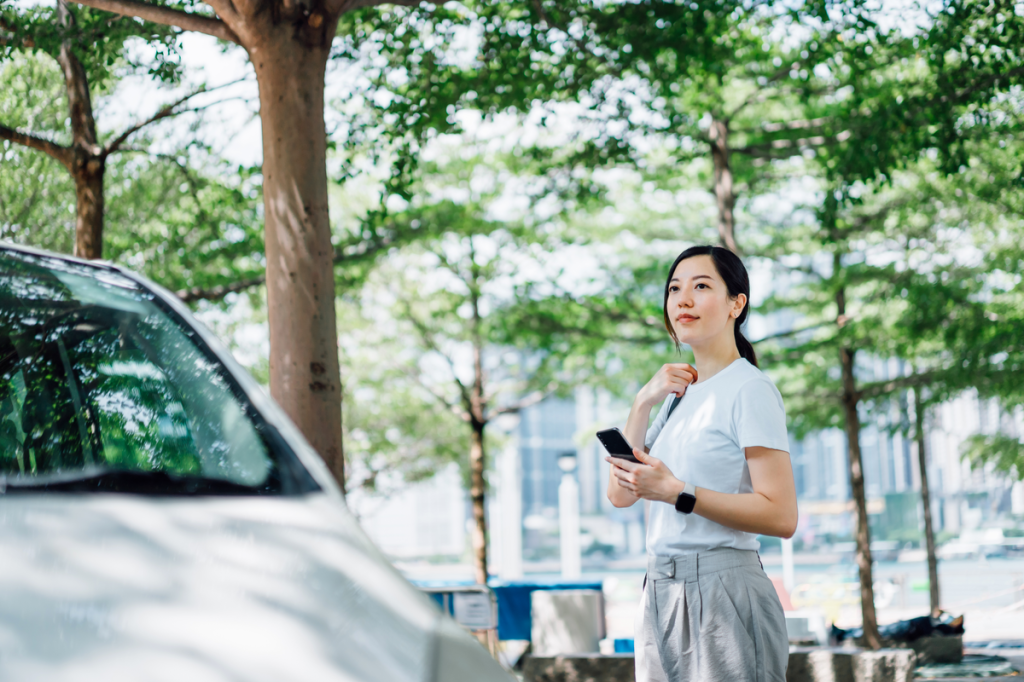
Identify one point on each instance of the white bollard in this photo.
(569, 526)
(510, 494)
(788, 579)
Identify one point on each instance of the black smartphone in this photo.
(617, 445)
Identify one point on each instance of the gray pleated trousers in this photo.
(710, 616)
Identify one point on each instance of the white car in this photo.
(160, 517)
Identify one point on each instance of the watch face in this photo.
(685, 503)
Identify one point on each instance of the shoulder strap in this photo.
(674, 405)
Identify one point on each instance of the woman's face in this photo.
(699, 306)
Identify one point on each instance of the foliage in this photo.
(36, 193)
(903, 256)
(186, 219)
(99, 40)
(396, 432)
(452, 293)
(1002, 453)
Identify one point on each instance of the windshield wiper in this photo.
(110, 480)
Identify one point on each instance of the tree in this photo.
(84, 45)
(449, 295)
(184, 217)
(288, 45)
(899, 283)
(709, 79)
(746, 99)
(396, 431)
(33, 187)
(920, 412)
(915, 98)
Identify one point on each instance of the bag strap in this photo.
(671, 408)
(674, 405)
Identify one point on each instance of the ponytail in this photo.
(745, 348)
(737, 281)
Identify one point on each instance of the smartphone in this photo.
(617, 445)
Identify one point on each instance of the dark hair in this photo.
(730, 268)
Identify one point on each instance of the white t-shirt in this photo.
(702, 443)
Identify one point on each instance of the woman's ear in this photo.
(737, 305)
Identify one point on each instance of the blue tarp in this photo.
(513, 599)
(514, 620)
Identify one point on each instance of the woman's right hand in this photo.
(671, 378)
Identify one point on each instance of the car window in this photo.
(95, 375)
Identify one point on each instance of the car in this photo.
(162, 519)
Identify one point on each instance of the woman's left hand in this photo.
(649, 480)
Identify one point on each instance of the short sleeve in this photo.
(759, 416)
(659, 422)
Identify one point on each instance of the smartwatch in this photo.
(687, 499)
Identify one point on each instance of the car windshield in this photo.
(101, 388)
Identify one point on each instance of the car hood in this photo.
(120, 587)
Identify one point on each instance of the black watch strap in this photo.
(687, 499)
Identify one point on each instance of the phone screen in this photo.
(616, 444)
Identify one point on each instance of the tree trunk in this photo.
(724, 196)
(88, 161)
(478, 421)
(88, 174)
(863, 531)
(477, 495)
(929, 533)
(305, 377)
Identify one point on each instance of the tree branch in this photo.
(529, 401)
(342, 6)
(219, 292)
(354, 250)
(427, 337)
(449, 405)
(992, 79)
(764, 149)
(758, 93)
(165, 112)
(12, 37)
(784, 126)
(166, 16)
(793, 332)
(56, 151)
(794, 125)
(876, 389)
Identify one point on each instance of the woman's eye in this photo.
(673, 289)
(701, 284)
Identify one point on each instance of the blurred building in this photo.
(549, 429)
(961, 499)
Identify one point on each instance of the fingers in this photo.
(626, 480)
(686, 367)
(618, 462)
(683, 373)
(679, 374)
(646, 459)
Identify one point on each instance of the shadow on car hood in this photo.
(121, 587)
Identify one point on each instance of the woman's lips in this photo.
(686, 318)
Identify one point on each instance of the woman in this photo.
(716, 470)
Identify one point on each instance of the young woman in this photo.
(716, 470)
